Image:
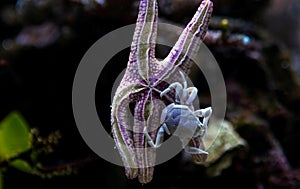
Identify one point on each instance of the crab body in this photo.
(181, 119)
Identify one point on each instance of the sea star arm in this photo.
(145, 163)
(122, 128)
(188, 41)
(144, 38)
(129, 135)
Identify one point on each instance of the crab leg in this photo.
(206, 114)
(178, 88)
(159, 137)
(192, 91)
(193, 150)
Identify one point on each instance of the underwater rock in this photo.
(221, 141)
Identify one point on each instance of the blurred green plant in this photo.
(15, 137)
(20, 147)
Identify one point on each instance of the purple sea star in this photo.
(144, 79)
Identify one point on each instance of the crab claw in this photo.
(204, 112)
